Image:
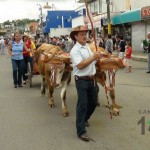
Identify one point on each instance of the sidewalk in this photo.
(137, 55)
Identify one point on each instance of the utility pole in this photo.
(41, 18)
(108, 16)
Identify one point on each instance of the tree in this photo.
(7, 23)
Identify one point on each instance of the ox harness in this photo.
(54, 65)
(54, 70)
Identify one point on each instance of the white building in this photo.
(126, 18)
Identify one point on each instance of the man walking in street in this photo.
(83, 61)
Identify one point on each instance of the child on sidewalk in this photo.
(128, 57)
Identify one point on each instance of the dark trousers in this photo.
(26, 60)
(87, 102)
(17, 66)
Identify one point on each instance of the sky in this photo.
(20, 9)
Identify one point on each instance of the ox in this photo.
(108, 64)
(54, 67)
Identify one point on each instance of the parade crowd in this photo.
(110, 43)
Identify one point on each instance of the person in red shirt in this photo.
(129, 57)
(27, 57)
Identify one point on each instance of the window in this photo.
(95, 6)
(100, 6)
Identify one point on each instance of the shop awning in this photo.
(126, 17)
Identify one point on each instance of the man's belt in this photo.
(91, 77)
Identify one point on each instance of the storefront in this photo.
(134, 25)
(117, 29)
(145, 17)
(129, 24)
(141, 28)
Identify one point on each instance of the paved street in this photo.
(27, 123)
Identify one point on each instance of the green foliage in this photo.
(20, 22)
(7, 22)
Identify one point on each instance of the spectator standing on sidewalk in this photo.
(122, 45)
(27, 57)
(128, 57)
(70, 44)
(114, 41)
(15, 49)
(117, 44)
(100, 42)
(145, 45)
(148, 36)
(2, 46)
(109, 44)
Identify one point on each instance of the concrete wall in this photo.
(139, 3)
(120, 5)
(138, 33)
(78, 21)
(59, 31)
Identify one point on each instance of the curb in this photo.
(137, 58)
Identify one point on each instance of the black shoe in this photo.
(20, 85)
(15, 86)
(148, 72)
(87, 124)
(84, 137)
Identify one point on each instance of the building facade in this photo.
(126, 18)
(62, 21)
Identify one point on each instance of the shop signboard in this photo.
(145, 12)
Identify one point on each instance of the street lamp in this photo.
(47, 6)
(41, 18)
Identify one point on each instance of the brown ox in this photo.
(54, 67)
(108, 64)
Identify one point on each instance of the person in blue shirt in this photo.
(15, 49)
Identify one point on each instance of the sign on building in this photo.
(145, 12)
